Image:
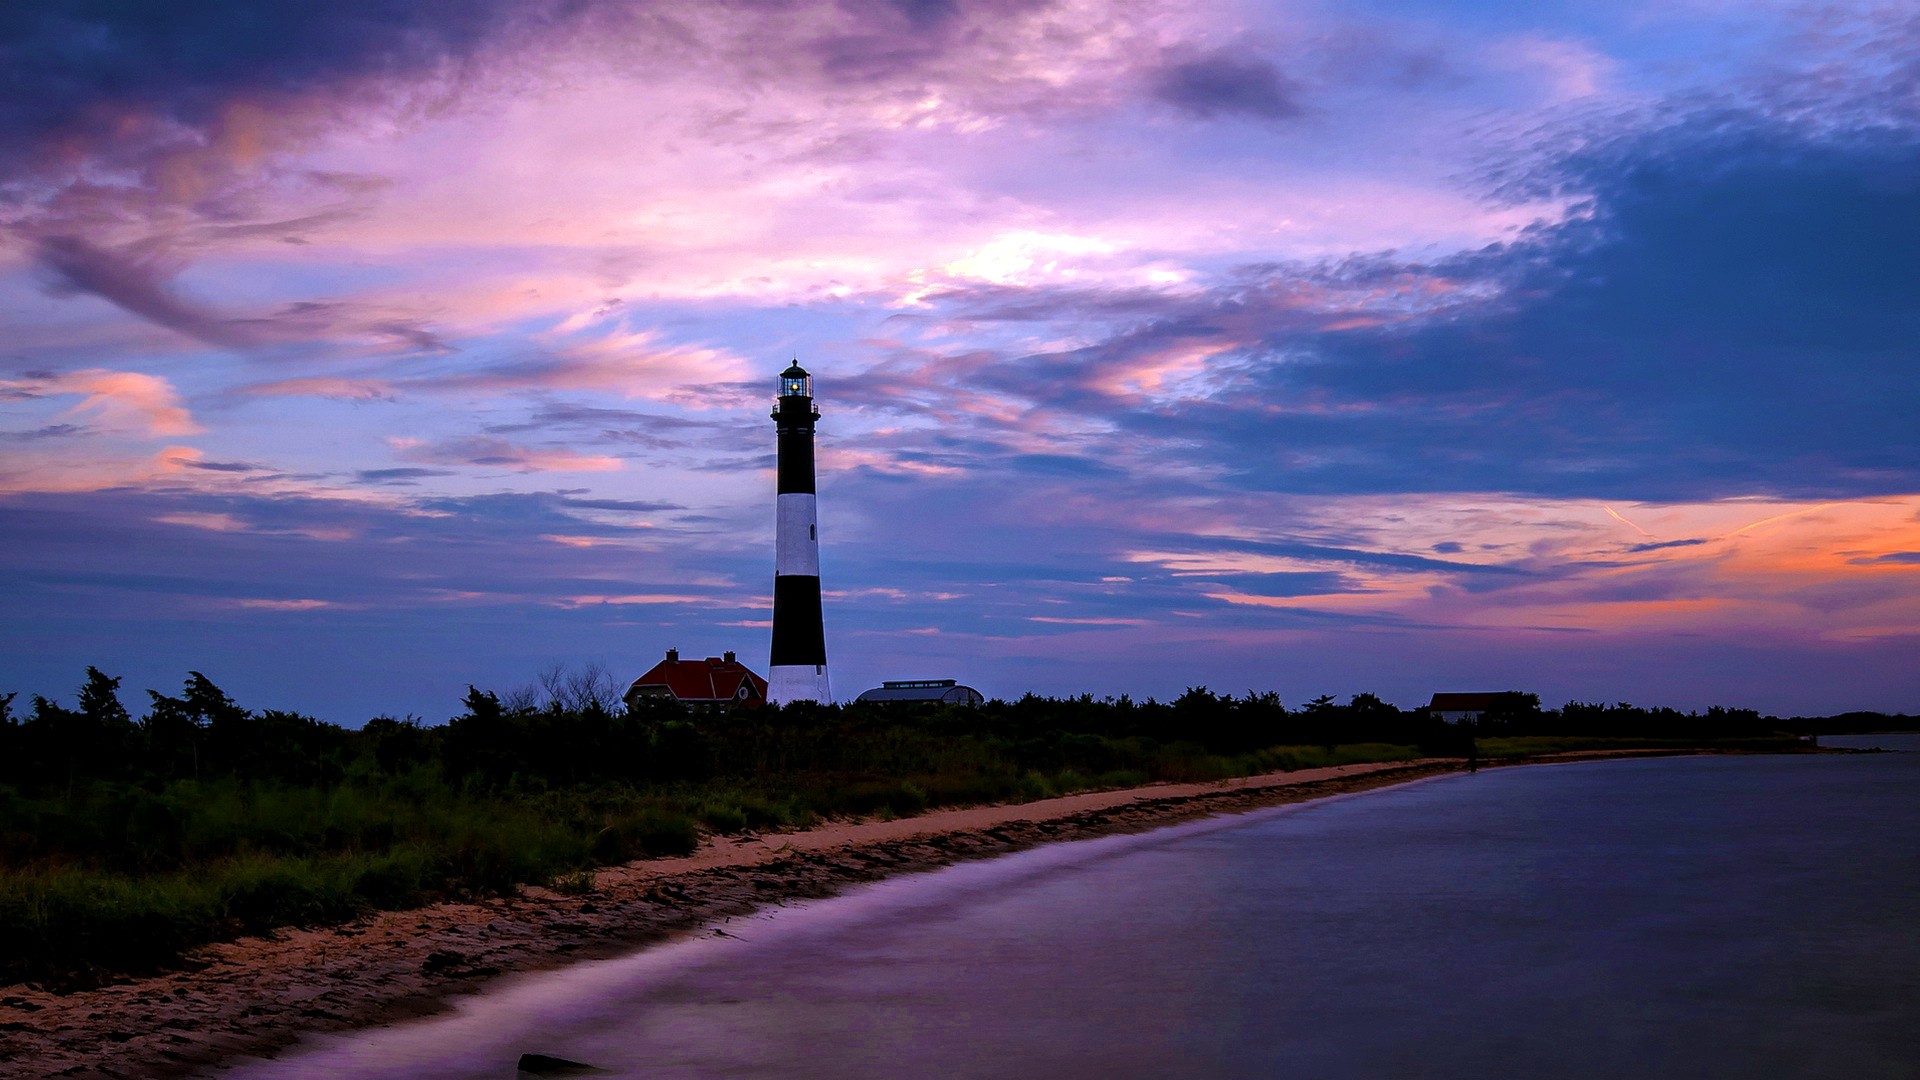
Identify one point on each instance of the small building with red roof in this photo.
(721, 681)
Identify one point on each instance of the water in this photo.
(1677, 917)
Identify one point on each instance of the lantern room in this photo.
(795, 382)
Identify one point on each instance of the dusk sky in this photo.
(355, 351)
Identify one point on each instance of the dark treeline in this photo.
(573, 731)
(126, 839)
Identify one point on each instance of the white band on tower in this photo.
(796, 536)
(798, 682)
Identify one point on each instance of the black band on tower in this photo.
(796, 460)
(798, 631)
(793, 418)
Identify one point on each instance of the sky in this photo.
(353, 352)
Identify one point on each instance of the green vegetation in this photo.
(126, 841)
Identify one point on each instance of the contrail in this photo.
(1776, 517)
(1616, 516)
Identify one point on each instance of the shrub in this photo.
(578, 883)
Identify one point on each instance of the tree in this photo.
(1370, 707)
(201, 729)
(173, 735)
(486, 743)
(397, 745)
(11, 752)
(93, 740)
(100, 701)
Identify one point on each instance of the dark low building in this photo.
(1461, 708)
(714, 681)
(940, 691)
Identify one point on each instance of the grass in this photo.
(124, 881)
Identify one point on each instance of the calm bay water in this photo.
(1678, 917)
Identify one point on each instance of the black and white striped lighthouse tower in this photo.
(798, 668)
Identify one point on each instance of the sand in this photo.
(257, 995)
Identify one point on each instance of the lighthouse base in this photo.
(798, 682)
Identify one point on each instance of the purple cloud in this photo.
(138, 282)
(1228, 83)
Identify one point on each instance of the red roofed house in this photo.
(717, 680)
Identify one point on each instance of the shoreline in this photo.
(256, 996)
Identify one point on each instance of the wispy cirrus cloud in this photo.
(488, 452)
(137, 281)
(629, 364)
(324, 386)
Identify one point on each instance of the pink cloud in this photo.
(491, 452)
(597, 599)
(589, 541)
(209, 521)
(285, 605)
(125, 400)
(631, 364)
(94, 469)
(324, 387)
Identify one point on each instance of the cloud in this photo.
(1728, 315)
(1228, 83)
(227, 466)
(137, 279)
(120, 399)
(654, 430)
(1895, 558)
(87, 77)
(631, 364)
(648, 599)
(402, 475)
(135, 140)
(324, 386)
(118, 556)
(372, 329)
(1665, 544)
(499, 453)
(1725, 321)
(137, 282)
(172, 459)
(631, 506)
(202, 520)
(258, 604)
(49, 431)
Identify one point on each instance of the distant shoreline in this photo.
(257, 996)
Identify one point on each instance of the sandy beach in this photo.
(257, 995)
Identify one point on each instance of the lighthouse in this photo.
(797, 670)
